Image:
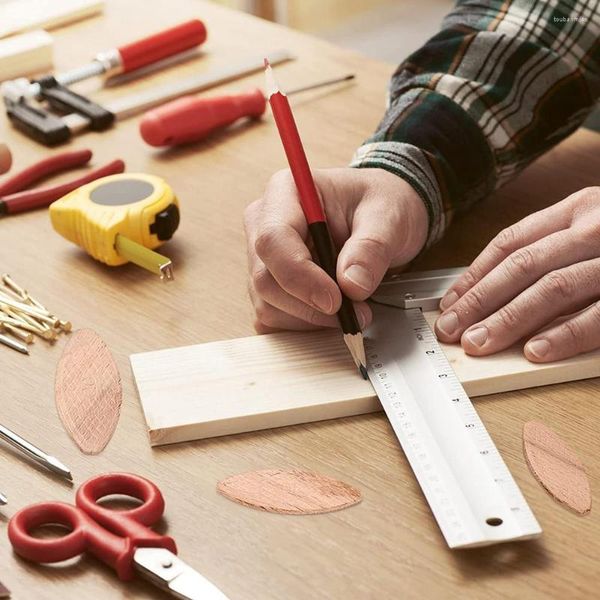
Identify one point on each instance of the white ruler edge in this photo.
(469, 488)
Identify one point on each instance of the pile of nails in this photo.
(22, 318)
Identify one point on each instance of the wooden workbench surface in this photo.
(389, 546)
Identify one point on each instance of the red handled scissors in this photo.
(120, 538)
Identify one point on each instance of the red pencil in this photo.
(313, 211)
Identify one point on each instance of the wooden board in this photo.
(286, 378)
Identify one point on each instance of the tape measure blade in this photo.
(467, 484)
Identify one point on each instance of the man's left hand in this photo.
(538, 280)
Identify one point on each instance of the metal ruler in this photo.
(469, 488)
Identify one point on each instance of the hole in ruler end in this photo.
(494, 521)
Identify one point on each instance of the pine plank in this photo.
(260, 382)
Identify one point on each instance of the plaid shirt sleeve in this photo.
(499, 85)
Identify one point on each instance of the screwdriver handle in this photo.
(191, 118)
(162, 45)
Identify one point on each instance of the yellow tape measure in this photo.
(120, 219)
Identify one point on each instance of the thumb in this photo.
(379, 239)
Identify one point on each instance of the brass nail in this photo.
(10, 283)
(65, 325)
(27, 337)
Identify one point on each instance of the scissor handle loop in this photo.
(48, 550)
(128, 484)
(111, 535)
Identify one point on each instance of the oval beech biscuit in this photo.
(289, 491)
(88, 391)
(556, 466)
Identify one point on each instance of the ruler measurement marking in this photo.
(455, 501)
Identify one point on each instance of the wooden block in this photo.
(17, 16)
(266, 381)
(25, 54)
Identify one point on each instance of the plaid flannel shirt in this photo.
(499, 85)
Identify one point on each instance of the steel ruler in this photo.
(469, 488)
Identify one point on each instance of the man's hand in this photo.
(545, 267)
(376, 220)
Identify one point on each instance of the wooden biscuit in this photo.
(88, 391)
(289, 491)
(556, 466)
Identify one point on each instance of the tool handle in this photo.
(48, 166)
(79, 539)
(30, 200)
(133, 524)
(110, 535)
(191, 118)
(161, 45)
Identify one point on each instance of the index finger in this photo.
(527, 231)
(279, 235)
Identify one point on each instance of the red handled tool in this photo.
(190, 119)
(121, 539)
(15, 198)
(132, 56)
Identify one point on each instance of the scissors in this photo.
(120, 538)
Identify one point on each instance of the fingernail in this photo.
(477, 336)
(448, 323)
(322, 300)
(448, 300)
(539, 348)
(360, 277)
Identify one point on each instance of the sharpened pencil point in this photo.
(363, 371)
(267, 63)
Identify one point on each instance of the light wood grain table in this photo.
(387, 547)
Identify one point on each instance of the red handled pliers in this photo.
(16, 198)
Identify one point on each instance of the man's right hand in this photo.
(377, 221)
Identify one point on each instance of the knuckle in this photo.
(250, 211)
(262, 281)
(474, 301)
(264, 313)
(260, 327)
(508, 317)
(466, 281)
(521, 262)
(310, 315)
(505, 241)
(377, 247)
(265, 240)
(557, 284)
(470, 278)
(584, 201)
(572, 334)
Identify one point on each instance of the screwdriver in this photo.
(126, 58)
(191, 118)
(33, 452)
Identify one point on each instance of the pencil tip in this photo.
(363, 371)
(267, 63)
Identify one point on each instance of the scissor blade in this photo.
(170, 573)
